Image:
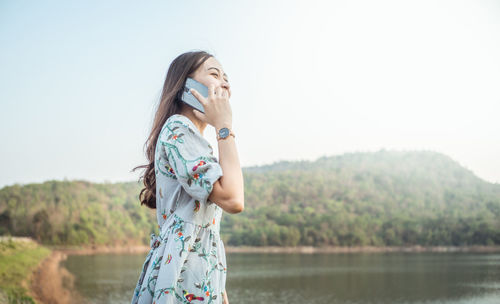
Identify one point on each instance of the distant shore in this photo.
(363, 249)
(298, 249)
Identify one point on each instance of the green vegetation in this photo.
(76, 213)
(18, 259)
(383, 198)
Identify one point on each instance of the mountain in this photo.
(364, 198)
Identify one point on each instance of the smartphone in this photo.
(189, 98)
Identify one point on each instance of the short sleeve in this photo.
(190, 158)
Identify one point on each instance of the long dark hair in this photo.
(181, 67)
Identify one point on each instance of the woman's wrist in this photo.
(224, 133)
(223, 125)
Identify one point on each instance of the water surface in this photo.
(357, 278)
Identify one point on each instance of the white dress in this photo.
(187, 261)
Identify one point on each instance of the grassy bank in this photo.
(19, 257)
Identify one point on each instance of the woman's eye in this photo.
(215, 74)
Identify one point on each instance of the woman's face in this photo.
(211, 72)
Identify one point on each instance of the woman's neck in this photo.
(198, 123)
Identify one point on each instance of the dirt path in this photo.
(53, 284)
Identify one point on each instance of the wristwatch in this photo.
(224, 133)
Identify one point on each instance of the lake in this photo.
(351, 278)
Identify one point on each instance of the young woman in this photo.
(189, 188)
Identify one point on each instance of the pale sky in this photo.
(79, 81)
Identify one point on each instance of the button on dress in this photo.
(187, 261)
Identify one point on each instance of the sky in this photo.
(80, 80)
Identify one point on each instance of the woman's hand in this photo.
(217, 108)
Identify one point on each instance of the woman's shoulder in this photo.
(176, 118)
(176, 121)
(180, 120)
(182, 126)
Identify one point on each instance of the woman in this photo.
(189, 188)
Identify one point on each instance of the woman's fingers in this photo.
(198, 96)
(211, 89)
(221, 92)
(213, 94)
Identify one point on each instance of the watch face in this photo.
(224, 132)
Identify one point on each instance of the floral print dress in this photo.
(187, 262)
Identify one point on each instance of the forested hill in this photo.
(375, 198)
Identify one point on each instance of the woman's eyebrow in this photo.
(217, 70)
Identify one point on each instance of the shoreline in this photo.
(76, 250)
(362, 249)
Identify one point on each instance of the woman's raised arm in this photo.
(228, 191)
